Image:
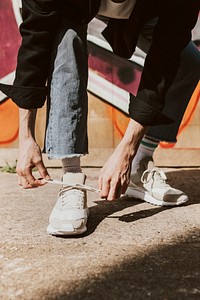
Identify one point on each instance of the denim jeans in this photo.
(66, 132)
(67, 103)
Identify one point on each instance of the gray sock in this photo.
(146, 148)
(71, 165)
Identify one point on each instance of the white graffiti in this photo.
(17, 5)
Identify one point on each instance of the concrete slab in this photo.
(132, 250)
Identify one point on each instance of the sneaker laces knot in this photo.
(155, 173)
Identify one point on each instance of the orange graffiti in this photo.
(9, 122)
(191, 109)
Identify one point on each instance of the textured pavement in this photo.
(132, 250)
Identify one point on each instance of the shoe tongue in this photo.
(74, 178)
(150, 165)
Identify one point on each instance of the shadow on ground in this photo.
(168, 272)
(104, 209)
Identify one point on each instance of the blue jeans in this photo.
(66, 132)
(67, 104)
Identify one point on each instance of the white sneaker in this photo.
(149, 184)
(70, 213)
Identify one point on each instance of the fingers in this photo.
(110, 188)
(114, 192)
(29, 177)
(124, 188)
(23, 182)
(105, 187)
(27, 180)
(42, 170)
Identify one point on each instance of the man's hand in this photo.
(29, 155)
(115, 175)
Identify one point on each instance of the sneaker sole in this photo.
(148, 198)
(56, 232)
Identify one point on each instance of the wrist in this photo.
(132, 137)
(27, 123)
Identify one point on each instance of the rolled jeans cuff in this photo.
(145, 114)
(25, 97)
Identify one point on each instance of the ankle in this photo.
(71, 165)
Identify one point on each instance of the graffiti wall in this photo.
(9, 44)
(110, 81)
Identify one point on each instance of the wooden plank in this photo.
(98, 157)
(177, 157)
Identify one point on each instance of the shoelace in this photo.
(77, 186)
(161, 177)
(71, 198)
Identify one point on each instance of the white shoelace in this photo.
(71, 198)
(156, 173)
(77, 186)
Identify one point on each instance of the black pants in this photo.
(171, 35)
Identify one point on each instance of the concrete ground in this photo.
(132, 250)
